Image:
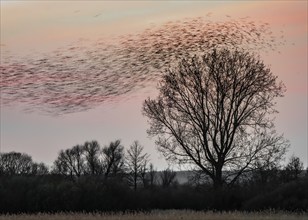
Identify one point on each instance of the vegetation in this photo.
(214, 112)
(14, 163)
(136, 165)
(164, 215)
(97, 189)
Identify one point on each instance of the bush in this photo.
(292, 196)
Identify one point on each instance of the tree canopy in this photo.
(215, 111)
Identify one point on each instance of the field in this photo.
(164, 215)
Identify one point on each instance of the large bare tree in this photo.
(215, 111)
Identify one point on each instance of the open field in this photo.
(164, 215)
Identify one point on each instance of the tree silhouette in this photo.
(167, 177)
(265, 175)
(144, 176)
(152, 175)
(136, 163)
(39, 169)
(71, 162)
(213, 111)
(113, 158)
(92, 153)
(293, 169)
(14, 163)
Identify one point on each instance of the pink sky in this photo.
(30, 27)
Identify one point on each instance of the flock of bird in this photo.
(86, 74)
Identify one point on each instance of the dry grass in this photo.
(164, 215)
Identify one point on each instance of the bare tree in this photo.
(293, 169)
(167, 177)
(92, 153)
(214, 111)
(136, 163)
(71, 162)
(14, 163)
(90, 159)
(265, 174)
(148, 175)
(198, 178)
(113, 158)
(144, 174)
(152, 173)
(39, 169)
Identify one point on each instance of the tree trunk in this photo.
(135, 181)
(218, 182)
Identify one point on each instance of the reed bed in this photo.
(163, 215)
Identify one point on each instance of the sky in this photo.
(35, 28)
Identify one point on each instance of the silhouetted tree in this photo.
(113, 158)
(144, 174)
(152, 175)
(293, 169)
(39, 169)
(265, 175)
(198, 178)
(136, 163)
(90, 159)
(14, 163)
(213, 111)
(93, 161)
(71, 162)
(167, 177)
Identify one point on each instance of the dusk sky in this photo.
(36, 28)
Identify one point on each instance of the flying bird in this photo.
(97, 15)
(86, 73)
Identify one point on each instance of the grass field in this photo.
(164, 215)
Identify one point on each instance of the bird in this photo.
(85, 74)
(97, 15)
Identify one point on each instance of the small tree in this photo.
(293, 169)
(92, 153)
(136, 163)
(167, 177)
(39, 169)
(152, 175)
(265, 175)
(113, 159)
(71, 162)
(213, 111)
(144, 174)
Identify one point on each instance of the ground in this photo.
(164, 215)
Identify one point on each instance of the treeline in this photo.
(92, 178)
